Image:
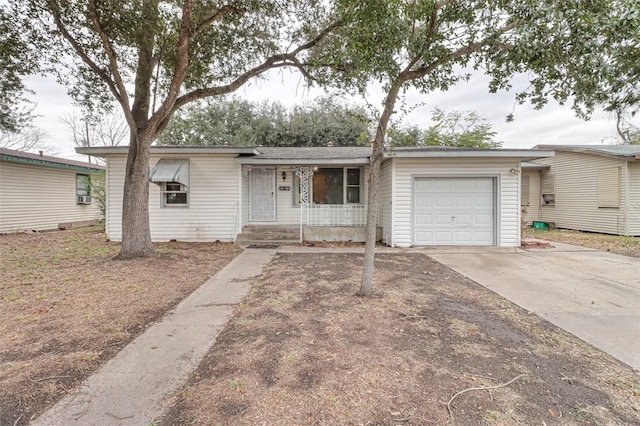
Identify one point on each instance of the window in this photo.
(172, 175)
(339, 185)
(174, 194)
(328, 186)
(609, 188)
(548, 189)
(353, 186)
(83, 189)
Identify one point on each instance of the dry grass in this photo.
(628, 246)
(66, 307)
(303, 350)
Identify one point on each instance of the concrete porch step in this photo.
(270, 229)
(261, 234)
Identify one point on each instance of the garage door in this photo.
(453, 211)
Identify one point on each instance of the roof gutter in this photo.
(301, 161)
(53, 164)
(104, 151)
(523, 155)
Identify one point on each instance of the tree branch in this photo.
(274, 61)
(118, 83)
(80, 51)
(220, 13)
(408, 74)
(182, 65)
(502, 385)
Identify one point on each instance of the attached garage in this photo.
(452, 197)
(457, 211)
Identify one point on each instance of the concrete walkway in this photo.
(135, 387)
(592, 294)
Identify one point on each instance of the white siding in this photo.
(576, 194)
(213, 209)
(385, 202)
(287, 212)
(633, 212)
(39, 198)
(507, 189)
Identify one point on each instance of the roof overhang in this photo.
(105, 151)
(521, 154)
(526, 165)
(302, 161)
(631, 157)
(49, 162)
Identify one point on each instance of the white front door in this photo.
(262, 194)
(453, 211)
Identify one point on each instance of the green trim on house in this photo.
(45, 163)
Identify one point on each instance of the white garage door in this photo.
(453, 211)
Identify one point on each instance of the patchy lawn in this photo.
(66, 307)
(629, 246)
(430, 347)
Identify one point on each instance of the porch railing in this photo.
(336, 215)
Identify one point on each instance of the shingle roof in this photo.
(44, 160)
(314, 153)
(623, 152)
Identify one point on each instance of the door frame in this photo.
(272, 179)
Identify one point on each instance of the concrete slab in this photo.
(136, 385)
(592, 294)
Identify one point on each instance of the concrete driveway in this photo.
(592, 294)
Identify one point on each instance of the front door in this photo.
(262, 194)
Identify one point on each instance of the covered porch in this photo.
(323, 199)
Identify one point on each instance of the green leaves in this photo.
(240, 123)
(15, 63)
(453, 129)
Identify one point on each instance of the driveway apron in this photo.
(592, 294)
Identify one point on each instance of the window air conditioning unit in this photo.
(84, 199)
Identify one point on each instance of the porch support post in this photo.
(304, 177)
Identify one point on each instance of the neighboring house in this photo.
(594, 188)
(39, 192)
(427, 196)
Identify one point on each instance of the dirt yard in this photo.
(66, 307)
(628, 246)
(430, 347)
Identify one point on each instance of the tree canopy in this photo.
(16, 62)
(238, 122)
(153, 57)
(451, 129)
(563, 48)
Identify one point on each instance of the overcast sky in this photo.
(554, 124)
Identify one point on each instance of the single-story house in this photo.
(427, 196)
(39, 192)
(594, 188)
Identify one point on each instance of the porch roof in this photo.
(309, 155)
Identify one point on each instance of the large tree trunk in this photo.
(136, 233)
(366, 286)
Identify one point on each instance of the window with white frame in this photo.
(172, 175)
(334, 185)
(83, 189)
(174, 194)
